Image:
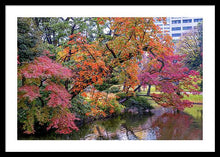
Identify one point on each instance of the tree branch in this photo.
(112, 52)
(41, 82)
(126, 98)
(159, 60)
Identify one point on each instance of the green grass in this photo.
(144, 90)
(152, 102)
(195, 111)
(194, 98)
(152, 89)
(191, 97)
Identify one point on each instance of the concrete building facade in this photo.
(177, 26)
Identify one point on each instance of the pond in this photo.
(159, 124)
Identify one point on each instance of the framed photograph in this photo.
(110, 78)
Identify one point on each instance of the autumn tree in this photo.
(125, 47)
(168, 72)
(191, 45)
(43, 98)
(173, 80)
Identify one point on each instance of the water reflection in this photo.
(176, 127)
(161, 124)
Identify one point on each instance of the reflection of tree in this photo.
(176, 127)
(135, 120)
(165, 126)
(129, 132)
(111, 125)
(107, 129)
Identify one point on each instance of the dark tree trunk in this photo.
(126, 98)
(139, 89)
(148, 90)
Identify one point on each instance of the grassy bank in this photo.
(194, 98)
(195, 111)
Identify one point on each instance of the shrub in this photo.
(139, 101)
(103, 104)
(120, 95)
(114, 89)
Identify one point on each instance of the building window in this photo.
(197, 20)
(187, 28)
(187, 21)
(176, 35)
(195, 27)
(176, 21)
(176, 28)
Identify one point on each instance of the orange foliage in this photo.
(94, 62)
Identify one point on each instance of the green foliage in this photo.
(27, 40)
(139, 101)
(117, 107)
(114, 89)
(103, 86)
(31, 113)
(80, 106)
(121, 95)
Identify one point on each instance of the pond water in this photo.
(159, 124)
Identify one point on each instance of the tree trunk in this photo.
(148, 91)
(139, 89)
(126, 98)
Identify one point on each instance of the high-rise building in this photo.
(177, 26)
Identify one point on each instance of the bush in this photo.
(139, 101)
(120, 95)
(80, 106)
(114, 89)
(103, 86)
